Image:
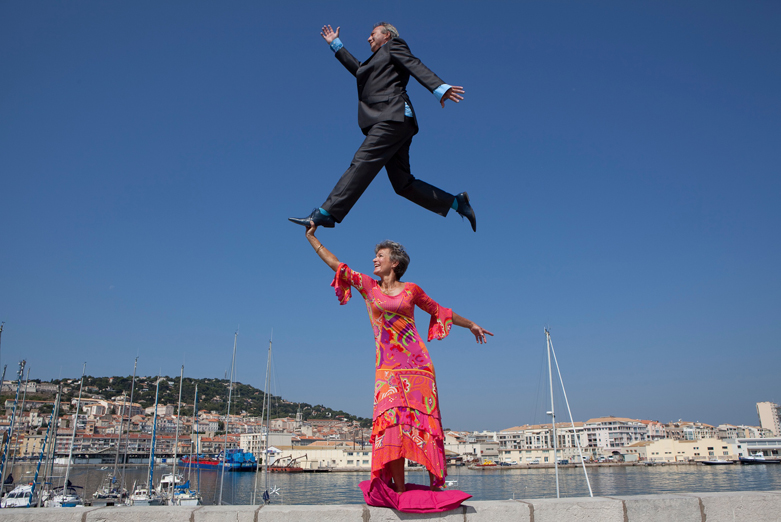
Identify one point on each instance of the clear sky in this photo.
(622, 158)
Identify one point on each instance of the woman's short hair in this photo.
(387, 28)
(397, 253)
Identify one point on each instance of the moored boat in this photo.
(758, 458)
(716, 462)
(20, 496)
(235, 460)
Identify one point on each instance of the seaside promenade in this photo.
(748, 506)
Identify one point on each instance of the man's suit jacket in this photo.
(382, 82)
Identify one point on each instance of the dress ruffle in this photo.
(440, 324)
(411, 434)
(342, 283)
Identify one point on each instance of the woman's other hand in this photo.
(479, 332)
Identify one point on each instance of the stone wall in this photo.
(749, 506)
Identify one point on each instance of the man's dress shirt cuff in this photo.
(336, 44)
(441, 90)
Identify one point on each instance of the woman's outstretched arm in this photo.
(325, 254)
(478, 331)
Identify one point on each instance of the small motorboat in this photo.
(758, 458)
(717, 462)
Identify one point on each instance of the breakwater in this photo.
(749, 506)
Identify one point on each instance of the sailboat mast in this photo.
(44, 448)
(50, 452)
(21, 416)
(196, 436)
(119, 439)
(154, 437)
(552, 414)
(228, 417)
(176, 440)
(7, 447)
(73, 435)
(129, 410)
(572, 422)
(266, 496)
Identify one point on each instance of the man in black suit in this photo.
(388, 121)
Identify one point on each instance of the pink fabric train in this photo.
(417, 498)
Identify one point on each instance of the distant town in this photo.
(109, 425)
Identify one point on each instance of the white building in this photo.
(471, 447)
(614, 432)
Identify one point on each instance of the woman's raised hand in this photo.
(310, 231)
(479, 333)
(329, 34)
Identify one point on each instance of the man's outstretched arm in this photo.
(347, 59)
(401, 54)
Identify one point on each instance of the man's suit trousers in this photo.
(386, 145)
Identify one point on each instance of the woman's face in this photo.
(382, 263)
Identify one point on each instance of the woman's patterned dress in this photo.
(406, 416)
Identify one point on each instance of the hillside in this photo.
(212, 396)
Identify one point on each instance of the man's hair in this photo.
(397, 253)
(387, 28)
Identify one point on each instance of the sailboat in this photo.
(267, 410)
(552, 353)
(144, 494)
(190, 497)
(172, 486)
(26, 495)
(66, 495)
(111, 489)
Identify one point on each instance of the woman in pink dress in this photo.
(407, 422)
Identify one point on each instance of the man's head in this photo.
(382, 33)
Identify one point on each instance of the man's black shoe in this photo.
(465, 209)
(320, 219)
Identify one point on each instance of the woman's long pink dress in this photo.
(406, 416)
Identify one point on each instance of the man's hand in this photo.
(329, 35)
(454, 93)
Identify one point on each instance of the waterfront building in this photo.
(767, 446)
(255, 442)
(471, 447)
(133, 443)
(532, 444)
(770, 417)
(337, 454)
(614, 432)
(672, 450)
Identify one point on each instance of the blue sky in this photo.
(622, 158)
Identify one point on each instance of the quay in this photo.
(748, 506)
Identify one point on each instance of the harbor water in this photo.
(493, 484)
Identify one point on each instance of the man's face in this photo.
(377, 39)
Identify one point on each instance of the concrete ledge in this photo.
(750, 506)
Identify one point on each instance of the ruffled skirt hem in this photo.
(392, 441)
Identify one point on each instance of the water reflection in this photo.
(342, 488)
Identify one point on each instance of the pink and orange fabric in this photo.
(407, 422)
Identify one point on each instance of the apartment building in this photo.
(614, 432)
(770, 417)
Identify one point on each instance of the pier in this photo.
(749, 506)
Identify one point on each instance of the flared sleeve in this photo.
(441, 317)
(344, 279)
